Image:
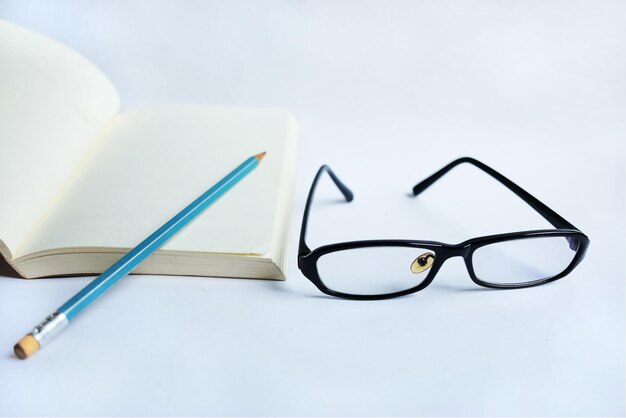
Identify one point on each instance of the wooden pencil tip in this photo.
(260, 156)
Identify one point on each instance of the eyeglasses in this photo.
(383, 269)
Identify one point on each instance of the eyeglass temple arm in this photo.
(303, 249)
(551, 216)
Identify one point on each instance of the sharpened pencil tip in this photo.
(260, 156)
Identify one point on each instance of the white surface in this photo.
(386, 94)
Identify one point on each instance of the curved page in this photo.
(53, 104)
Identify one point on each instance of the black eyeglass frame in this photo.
(307, 258)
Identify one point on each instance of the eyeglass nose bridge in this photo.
(442, 254)
(448, 251)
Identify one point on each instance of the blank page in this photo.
(53, 104)
(155, 161)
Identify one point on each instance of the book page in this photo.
(53, 104)
(155, 161)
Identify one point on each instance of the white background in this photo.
(386, 93)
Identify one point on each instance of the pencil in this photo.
(50, 327)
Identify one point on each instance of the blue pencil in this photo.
(55, 323)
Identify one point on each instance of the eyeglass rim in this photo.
(443, 251)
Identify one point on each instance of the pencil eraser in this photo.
(26, 347)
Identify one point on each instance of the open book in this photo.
(81, 184)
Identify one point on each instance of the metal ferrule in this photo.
(49, 328)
